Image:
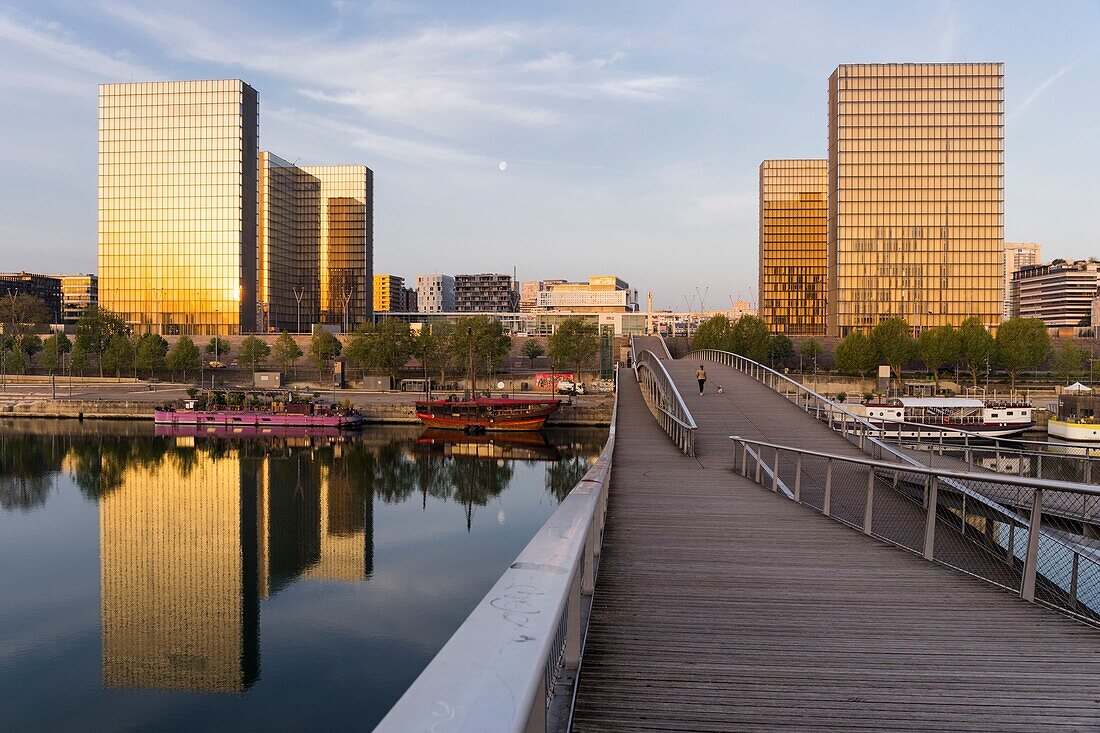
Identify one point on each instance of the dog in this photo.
(720, 390)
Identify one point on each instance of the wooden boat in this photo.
(486, 413)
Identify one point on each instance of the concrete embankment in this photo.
(589, 413)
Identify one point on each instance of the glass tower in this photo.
(916, 194)
(315, 252)
(793, 246)
(177, 205)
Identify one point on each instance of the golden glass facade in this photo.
(342, 197)
(315, 249)
(793, 246)
(177, 205)
(916, 194)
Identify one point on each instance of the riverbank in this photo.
(592, 411)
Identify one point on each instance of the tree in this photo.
(253, 351)
(856, 355)
(432, 347)
(532, 349)
(386, 347)
(95, 329)
(118, 357)
(893, 345)
(323, 348)
(1069, 360)
(976, 347)
(487, 339)
(812, 350)
(714, 333)
(22, 314)
(1021, 344)
(78, 359)
(218, 347)
(151, 352)
(938, 347)
(52, 349)
(779, 348)
(30, 344)
(285, 351)
(184, 357)
(15, 361)
(575, 342)
(749, 338)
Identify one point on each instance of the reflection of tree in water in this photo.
(563, 475)
(432, 477)
(475, 481)
(394, 474)
(27, 466)
(99, 465)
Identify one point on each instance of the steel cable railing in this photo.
(503, 668)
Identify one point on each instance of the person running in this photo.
(701, 375)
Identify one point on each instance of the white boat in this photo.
(933, 418)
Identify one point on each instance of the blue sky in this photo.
(632, 130)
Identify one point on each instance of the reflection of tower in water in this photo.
(178, 577)
(187, 554)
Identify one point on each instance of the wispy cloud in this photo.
(54, 42)
(1048, 82)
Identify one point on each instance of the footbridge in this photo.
(759, 558)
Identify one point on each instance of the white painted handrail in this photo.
(663, 397)
(499, 669)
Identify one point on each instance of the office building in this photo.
(46, 288)
(916, 194)
(601, 294)
(341, 197)
(177, 205)
(485, 293)
(793, 246)
(1059, 294)
(435, 293)
(77, 293)
(389, 293)
(1018, 255)
(410, 302)
(315, 244)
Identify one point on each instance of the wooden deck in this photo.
(721, 606)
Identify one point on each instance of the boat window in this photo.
(1010, 412)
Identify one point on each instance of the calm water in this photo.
(154, 582)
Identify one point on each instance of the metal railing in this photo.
(663, 398)
(506, 666)
(932, 512)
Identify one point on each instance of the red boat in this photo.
(486, 413)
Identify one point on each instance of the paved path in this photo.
(721, 606)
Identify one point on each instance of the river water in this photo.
(171, 582)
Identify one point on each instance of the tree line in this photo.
(104, 343)
(1020, 345)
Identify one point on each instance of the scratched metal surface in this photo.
(721, 606)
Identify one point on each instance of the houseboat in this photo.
(935, 418)
(483, 414)
(1077, 417)
(259, 412)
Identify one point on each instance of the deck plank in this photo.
(721, 606)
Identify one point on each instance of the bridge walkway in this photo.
(721, 606)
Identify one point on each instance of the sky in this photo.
(632, 131)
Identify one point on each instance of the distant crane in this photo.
(689, 303)
(703, 298)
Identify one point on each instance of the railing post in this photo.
(588, 580)
(1039, 467)
(745, 460)
(759, 460)
(1027, 587)
(868, 506)
(798, 479)
(1073, 581)
(828, 486)
(932, 500)
(775, 472)
(573, 623)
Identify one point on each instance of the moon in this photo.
(503, 165)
